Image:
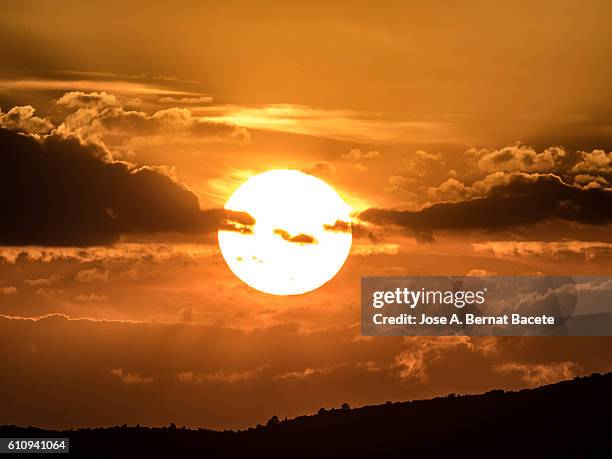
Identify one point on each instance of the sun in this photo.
(301, 236)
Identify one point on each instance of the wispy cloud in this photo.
(539, 374)
(113, 86)
(220, 376)
(153, 252)
(365, 250)
(335, 124)
(130, 377)
(555, 249)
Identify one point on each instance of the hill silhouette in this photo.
(570, 419)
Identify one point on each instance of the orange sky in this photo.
(469, 138)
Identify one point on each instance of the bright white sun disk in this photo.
(294, 247)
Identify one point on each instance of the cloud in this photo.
(224, 388)
(79, 99)
(239, 222)
(479, 272)
(357, 155)
(186, 100)
(90, 298)
(97, 116)
(416, 169)
(586, 168)
(428, 178)
(93, 275)
(306, 372)
(569, 164)
(510, 200)
(119, 253)
(359, 231)
(346, 125)
(594, 162)
(131, 377)
(453, 190)
(51, 293)
(423, 351)
(556, 249)
(366, 250)
(8, 290)
(540, 374)
(591, 180)
(321, 169)
(114, 85)
(22, 119)
(219, 376)
(516, 158)
(43, 282)
(338, 227)
(422, 164)
(73, 194)
(298, 238)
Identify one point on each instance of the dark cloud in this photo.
(231, 220)
(575, 166)
(362, 232)
(358, 231)
(585, 250)
(519, 199)
(57, 191)
(298, 238)
(339, 227)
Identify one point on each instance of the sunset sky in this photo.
(468, 138)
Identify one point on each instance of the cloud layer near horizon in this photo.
(162, 373)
